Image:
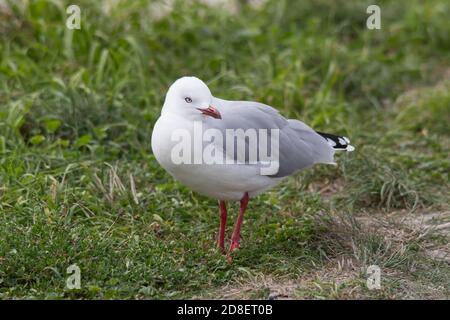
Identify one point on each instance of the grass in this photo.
(78, 182)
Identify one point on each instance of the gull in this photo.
(189, 105)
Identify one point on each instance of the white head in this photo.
(190, 97)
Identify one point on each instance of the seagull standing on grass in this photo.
(189, 103)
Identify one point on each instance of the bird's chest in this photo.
(167, 135)
(178, 146)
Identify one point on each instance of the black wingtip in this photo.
(337, 142)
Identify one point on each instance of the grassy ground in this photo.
(78, 182)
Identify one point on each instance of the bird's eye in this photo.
(188, 100)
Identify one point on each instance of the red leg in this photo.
(236, 237)
(223, 223)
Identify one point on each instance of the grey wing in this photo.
(299, 146)
(248, 114)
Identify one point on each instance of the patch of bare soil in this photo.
(335, 280)
(431, 225)
(344, 277)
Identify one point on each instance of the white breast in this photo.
(219, 181)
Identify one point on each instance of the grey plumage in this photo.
(299, 145)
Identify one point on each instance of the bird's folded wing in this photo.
(299, 146)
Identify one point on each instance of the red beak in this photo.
(211, 111)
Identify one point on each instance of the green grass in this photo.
(76, 115)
